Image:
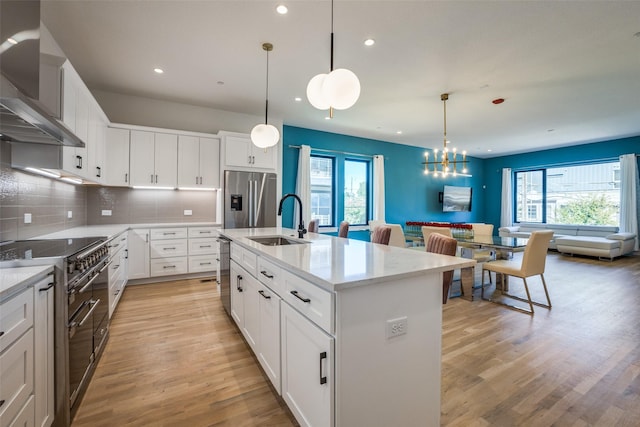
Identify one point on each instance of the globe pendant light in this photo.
(265, 135)
(339, 89)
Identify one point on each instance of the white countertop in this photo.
(115, 229)
(335, 263)
(13, 280)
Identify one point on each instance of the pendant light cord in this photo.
(331, 35)
(266, 102)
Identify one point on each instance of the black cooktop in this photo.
(48, 248)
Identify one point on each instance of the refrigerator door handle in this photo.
(250, 204)
(258, 196)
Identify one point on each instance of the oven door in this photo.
(80, 347)
(101, 314)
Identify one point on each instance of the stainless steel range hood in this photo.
(23, 118)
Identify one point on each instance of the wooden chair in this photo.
(343, 231)
(533, 264)
(381, 235)
(313, 226)
(441, 244)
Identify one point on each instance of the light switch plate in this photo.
(27, 218)
(69, 214)
(106, 212)
(188, 212)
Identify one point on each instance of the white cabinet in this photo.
(198, 162)
(117, 157)
(307, 369)
(153, 159)
(203, 249)
(269, 335)
(241, 153)
(26, 356)
(118, 269)
(44, 353)
(168, 251)
(236, 277)
(138, 250)
(96, 141)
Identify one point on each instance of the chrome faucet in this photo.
(301, 229)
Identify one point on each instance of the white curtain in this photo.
(378, 187)
(506, 209)
(303, 186)
(629, 186)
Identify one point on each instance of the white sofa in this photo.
(598, 241)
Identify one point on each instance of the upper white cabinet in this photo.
(153, 159)
(96, 146)
(241, 153)
(117, 157)
(198, 162)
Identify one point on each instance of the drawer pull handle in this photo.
(1, 334)
(261, 292)
(323, 380)
(168, 233)
(168, 249)
(49, 286)
(1, 402)
(205, 232)
(238, 279)
(168, 266)
(267, 275)
(205, 246)
(295, 294)
(205, 263)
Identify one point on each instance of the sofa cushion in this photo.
(588, 242)
(621, 236)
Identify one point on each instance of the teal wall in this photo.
(410, 195)
(574, 155)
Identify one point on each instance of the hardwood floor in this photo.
(175, 359)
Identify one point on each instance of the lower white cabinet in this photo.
(17, 377)
(307, 369)
(118, 270)
(168, 251)
(168, 266)
(44, 353)
(138, 245)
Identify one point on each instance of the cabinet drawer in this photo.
(16, 377)
(200, 263)
(246, 258)
(27, 416)
(313, 302)
(16, 316)
(168, 233)
(270, 275)
(117, 244)
(203, 246)
(168, 248)
(195, 232)
(169, 266)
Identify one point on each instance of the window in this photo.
(356, 192)
(322, 185)
(586, 194)
(340, 190)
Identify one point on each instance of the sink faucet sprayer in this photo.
(301, 229)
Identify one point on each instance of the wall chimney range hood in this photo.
(23, 118)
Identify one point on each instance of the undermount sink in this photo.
(276, 241)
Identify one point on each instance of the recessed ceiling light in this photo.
(399, 132)
(297, 99)
(282, 9)
(220, 82)
(12, 41)
(369, 42)
(489, 150)
(158, 70)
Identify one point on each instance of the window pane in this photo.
(322, 190)
(588, 194)
(529, 196)
(356, 191)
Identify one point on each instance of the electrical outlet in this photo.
(188, 212)
(69, 214)
(106, 212)
(27, 218)
(396, 327)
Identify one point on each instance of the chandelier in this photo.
(339, 89)
(265, 135)
(445, 162)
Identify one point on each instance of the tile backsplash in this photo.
(129, 206)
(49, 202)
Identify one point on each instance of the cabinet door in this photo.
(95, 145)
(142, 158)
(43, 352)
(188, 161)
(237, 285)
(251, 327)
(264, 158)
(166, 164)
(269, 344)
(307, 369)
(117, 157)
(69, 95)
(138, 250)
(237, 151)
(210, 162)
(16, 376)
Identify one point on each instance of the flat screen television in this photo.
(456, 199)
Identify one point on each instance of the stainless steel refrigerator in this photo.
(250, 199)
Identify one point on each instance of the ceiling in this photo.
(569, 71)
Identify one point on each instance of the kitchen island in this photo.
(348, 332)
